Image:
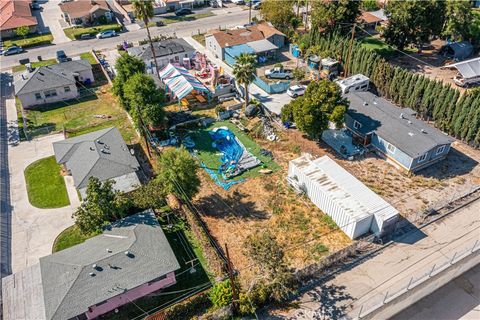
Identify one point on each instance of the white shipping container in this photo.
(354, 207)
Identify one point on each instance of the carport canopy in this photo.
(180, 82)
(468, 69)
(263, 45)
(235, 51)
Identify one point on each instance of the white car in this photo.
(238, 1)
(297, 90)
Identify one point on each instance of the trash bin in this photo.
(39, 58)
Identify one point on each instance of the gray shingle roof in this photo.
(49, 77)
(396, 125)
(162, 49)
(102, 154)
(68, 287)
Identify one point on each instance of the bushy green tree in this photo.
(177, 173)
(22, 31)
(458, 16)
(101, 205)
(126, 66)
(413, 21)
(321, 103)
(150, 195)
(221, 294)
(329, 15)
(369, 5)
(279, 13)
(144, 99)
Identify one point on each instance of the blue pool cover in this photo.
(224, 141)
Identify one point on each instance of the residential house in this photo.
(14, 14)
(162, 6)
(86, 12)
(406, 141)
(102, 154)
(468, 72)
(260, 39)
(52, 83)
(369, 20)
(167, 51)
(129, 260)
(355, 208)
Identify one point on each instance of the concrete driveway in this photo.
(33, 230)
(50, 20)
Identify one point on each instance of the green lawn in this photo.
(378, 45)
(32, 40)
(88, 56)
(75, 32)
(80, 116)
(45, 186)
(211, 158)
(191, 17)
(37, 64)
(200, 38)
(69, 238)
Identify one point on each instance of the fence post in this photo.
(411, 279)
(360, 312)
(474, 245)
(385, 298)
(453, 258)
(433, 268)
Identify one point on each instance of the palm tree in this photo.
(144, 11)
(244, 70)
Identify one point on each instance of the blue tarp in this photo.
(224, 141)
(235, 51)
(461, 50)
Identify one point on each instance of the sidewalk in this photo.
(274, 102)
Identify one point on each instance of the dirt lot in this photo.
(268, 203)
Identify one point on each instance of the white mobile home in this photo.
(358, 82)
(355, 208)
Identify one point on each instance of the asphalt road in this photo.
(5, 205)
(223, 18)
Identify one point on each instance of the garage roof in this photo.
(260, 46)
(468, 69)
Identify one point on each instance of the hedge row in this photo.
(456, 114)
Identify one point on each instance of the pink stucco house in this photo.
(130, 259)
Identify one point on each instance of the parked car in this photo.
(183, 12)
(279, 73)
(256, 5)
(35, 6)
(252, 3)
(297, 90)
(238, 2)
(12, 50)
(87, 36)
(106, 34)
(61, 56)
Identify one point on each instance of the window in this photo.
(50, 93)
(38, 96)
(423, 157)
(440, 149)
(391, 148)
(66, 89)
(357, 125)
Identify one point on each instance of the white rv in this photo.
(358, 82)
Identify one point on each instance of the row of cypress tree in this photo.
(455, 113)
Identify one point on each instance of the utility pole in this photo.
(144, 134)
(250, 12)
(350, 49)
(232, 282)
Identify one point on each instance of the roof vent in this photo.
(409, 122)
(401, 115)
(94, 266)
(108, 250)
(92, 274)
(423, 130)
(100, 142)
(365, 103)
(92, 149)
(127, 253)
(411, 134)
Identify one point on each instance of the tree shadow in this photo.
(230, 207)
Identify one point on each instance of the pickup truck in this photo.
(279, 73)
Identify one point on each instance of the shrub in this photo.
(221, 294)
(188, 308)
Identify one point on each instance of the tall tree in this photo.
(321, 103)
(413, 21)
(126, 66)
(22, 31)
(244, 70)
(101, 205)
(144, 99)
(328, 15)
(279, 13)
(177, 173)
(144, 11)
(458, 16)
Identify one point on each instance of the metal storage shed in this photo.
(353, 206)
